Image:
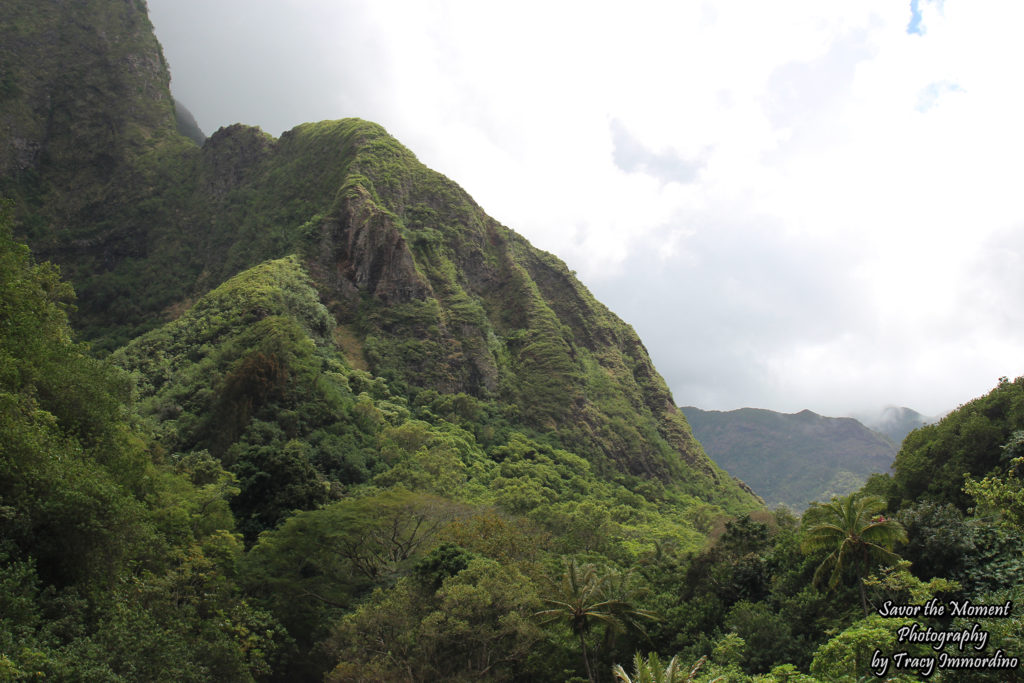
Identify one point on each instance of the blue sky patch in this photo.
(914, 27)
(929, 96)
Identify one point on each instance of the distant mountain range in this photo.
(793, 459)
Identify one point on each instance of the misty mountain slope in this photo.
(792, 459)
(187, 125)
(895, 422)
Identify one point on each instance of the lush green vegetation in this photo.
(235, 490)
(936, 460)
(352, 429)
(115, 563)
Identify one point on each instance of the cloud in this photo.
(728, 314)
(799, 88)
(632, 156)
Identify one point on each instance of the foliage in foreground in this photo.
(113, 564)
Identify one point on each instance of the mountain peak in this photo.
(436, 295)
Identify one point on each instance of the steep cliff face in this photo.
(83, 87)
(84, 106)
(446, 298)
(429, 292)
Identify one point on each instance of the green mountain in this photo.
(333, 380)
(427, 290)
(792, 459)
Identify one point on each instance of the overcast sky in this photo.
(797, 204)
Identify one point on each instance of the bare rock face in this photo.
(368, 254)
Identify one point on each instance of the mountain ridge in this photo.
(792, 459)
(433, 293)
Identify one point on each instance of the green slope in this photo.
(318, 328)
(258, 374)
(793, 459)
(432, 293)
(259, 368)
(935, 459)
(351, 428)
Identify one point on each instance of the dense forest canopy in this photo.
(316, 416)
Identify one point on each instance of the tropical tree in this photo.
(1002, 495)
(587, 597)
(475, 626)
(649, 670)
(855, 533)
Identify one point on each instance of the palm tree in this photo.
(650, 671)
(855, 533)
(587, 597)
